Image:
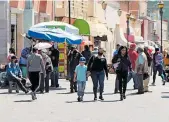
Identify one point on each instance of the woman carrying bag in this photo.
(122, 66)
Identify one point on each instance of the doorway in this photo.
(13, 37)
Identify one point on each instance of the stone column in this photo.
(4, 30)
(20, 31)
(28, 22)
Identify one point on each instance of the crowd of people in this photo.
(41, 65)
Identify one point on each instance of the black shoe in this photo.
(75, 90)
(78, 99)
(164, 82)
(57, 86)
(27, 91)
(121, 97)
(124, 96)
(95, 98)
(115, 91)
(71, 91)
(33, 96)
(41, 92)
(101, 98)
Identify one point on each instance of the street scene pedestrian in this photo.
(54, 55)
(122, 64)
(74, 57)
(73, 60)
(80, 77)
(34, 66)
(97, 66)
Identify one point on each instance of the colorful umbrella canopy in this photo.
(56, 35)
(54, 25)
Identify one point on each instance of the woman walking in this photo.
(97, 66)
(122, 65)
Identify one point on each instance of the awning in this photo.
(97, 29)
(83, 26)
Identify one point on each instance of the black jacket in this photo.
(74, 59)
(124, 63)
(55, 57)
(97, 64)
(87, 55)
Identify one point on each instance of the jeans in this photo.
(55, 77)
(133, 75)
(98, 77)
(140, 83)
(81, 87)
(122, 77)
(158, 68)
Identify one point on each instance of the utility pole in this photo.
(69, 6)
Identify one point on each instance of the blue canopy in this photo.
(56, 35)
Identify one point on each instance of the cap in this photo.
(82, 59)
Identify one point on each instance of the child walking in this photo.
(81, 77)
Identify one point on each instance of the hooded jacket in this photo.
(133, 55)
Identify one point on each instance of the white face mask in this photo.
(55, 45)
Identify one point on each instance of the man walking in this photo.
(73, 57)
(35, 65)
(55, 61)
(133, 55)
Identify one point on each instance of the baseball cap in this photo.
(82, 59)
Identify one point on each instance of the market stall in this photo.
(59, 32)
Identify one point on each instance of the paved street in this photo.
(60, 106)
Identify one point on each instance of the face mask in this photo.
(100, 54)
(16, 61)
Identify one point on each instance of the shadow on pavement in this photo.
(65, 93)
(108, 93)
(165, 92)
(85, 101)
(132, 94)
(164, 96)
(22, 101)
(88, 92)
(111, 101)
(53, 88)
(8, 93)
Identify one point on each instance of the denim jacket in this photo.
(13, 70)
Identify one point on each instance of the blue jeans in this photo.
(81, 87)
(55, 77)
(98, 77)
(134, 76)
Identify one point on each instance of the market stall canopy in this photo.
(54, 24)
(56, 35)
(97, 29)
(83, 26)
